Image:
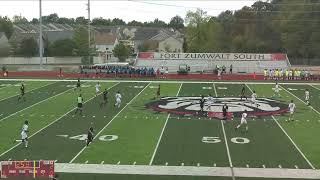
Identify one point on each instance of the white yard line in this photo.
(97, 135)
(51, 123)
(272, 173)
(34, 104)
(294, 144)
(249, 88)
(225, 140)
(300, 99)
(162, 131)
(26, 91)
(157, 81)
(314, 87)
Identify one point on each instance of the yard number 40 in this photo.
(236, 140)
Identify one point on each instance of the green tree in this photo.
(101, 22)
(64, 47)
(28, 47)
(6, 26)
(19, 19)
(176, 22)
(135, 23)
(122, 52)
(81, 41)
(81, 20)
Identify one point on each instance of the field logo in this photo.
(190, 106)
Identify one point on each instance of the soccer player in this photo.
(210, 102)
(105, 98)
(243, 121)
(97, 88)
(22, 92)
(243, 92)
(225, 112)
(158, 92)
(24, 133)
(90, 136)
(276, 90)
(202, 104)
(80, 104)
(291, 108)
(78, 86)
(118, 99)
(254, 98)
(307, 96)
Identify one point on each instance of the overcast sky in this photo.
(126, 10)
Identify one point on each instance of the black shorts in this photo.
(22, 93)
(224, 116)
(78, 85)
(79, 105)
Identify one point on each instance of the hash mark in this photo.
(134, 163)
(247, 165)
(86, 162)
(55, 160)
(102, 162)
(296, 166)
(215, 165)
(263, 166)
(198, 164)
(182, 164)
(166, 163)
(118, 162)
(280, 166)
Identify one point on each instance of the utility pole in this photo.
(40, 33)
(89, 30)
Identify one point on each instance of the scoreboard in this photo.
(27, 169)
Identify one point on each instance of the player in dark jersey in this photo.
(202, 104)
(243, 92)
(78, 86)
(105, 98)
(22, 92)
(225, 112)
(80, 104)
(90, 136)
(158, 92)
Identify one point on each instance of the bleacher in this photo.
(207, 62)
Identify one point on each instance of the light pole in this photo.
(89, 35)
(40, 33)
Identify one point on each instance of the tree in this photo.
(176, 22)
(101, 22)
(6, 26)
(19, 19)
(28, 47)
(81, 20)
(63, 20)
(64, 47)
(118, 22)
(135, 23)
(122, 52)
(35, 21)
(51, 18)
(81, 41)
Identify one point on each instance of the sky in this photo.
(124, 9)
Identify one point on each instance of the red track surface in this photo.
(52, 74)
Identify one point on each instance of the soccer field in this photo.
(167, 133)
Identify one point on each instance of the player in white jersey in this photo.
(254, 98)
(307, 96)
(97, 88)
(292, 108)
(118, 100)
(243, 121)
(210, 102)
(24, 134)
(276, 90)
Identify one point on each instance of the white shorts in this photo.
(276, 90)
(291, 112)
(118, 101)
(307, 98)
(243, 121)
(24, 136)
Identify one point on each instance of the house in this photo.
(157, 39)
(4, 45)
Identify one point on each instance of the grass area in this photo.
(137, 134)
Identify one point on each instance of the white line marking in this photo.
(97, 135)
(247, 165)
(34, 105)
(31, 91)
(86, 162)
(118, 162)
(134, 163)
(314, 86)
(294, 144)
(301, 100)
(102, 162)
(280, 166)
(198, 164)
(50, 124)
(214, 165)
(182, 164)
(264, 166)
(166, 163)
(56, 161)
(162, 131)
(296, 166)
(215, 90)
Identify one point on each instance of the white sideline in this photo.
(167, 81)
(187, 171)
(162, 131)
(50, 124)
(294, 144)
(35, 104)
(97, 135)
(26, 91)
(300, 100)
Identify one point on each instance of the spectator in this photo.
(231, 68)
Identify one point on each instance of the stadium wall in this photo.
(46, 60)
